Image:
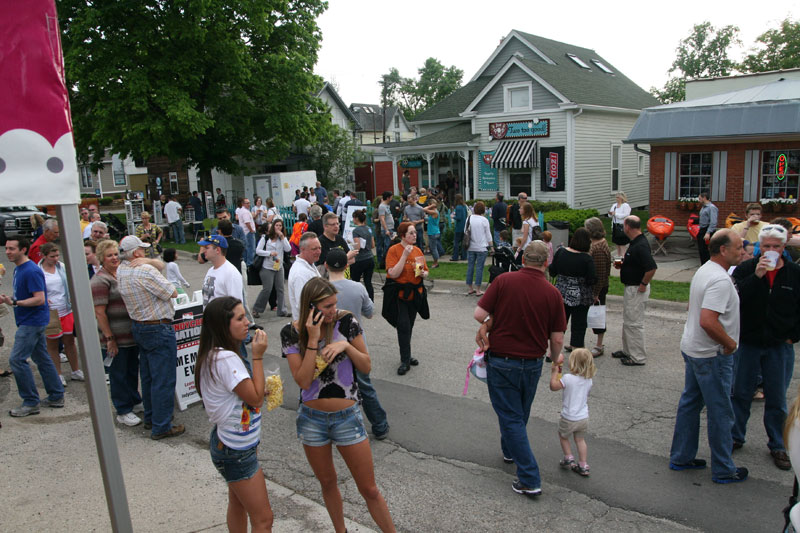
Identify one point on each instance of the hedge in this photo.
(106, 200)
(575, 217)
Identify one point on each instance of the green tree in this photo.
(334, 155)
(775, 49)
(704, 53)
(211, 83)
(413, 96)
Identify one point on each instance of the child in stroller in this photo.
(503, 259)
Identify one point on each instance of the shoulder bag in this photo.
(254, 270)
(467, 234)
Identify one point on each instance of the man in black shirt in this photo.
(330, 238)
(315, 224)
(499, 217)
(638, 268)
(197, 205)
(235, 246)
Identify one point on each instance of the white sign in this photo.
(187, 324)
(349, 225)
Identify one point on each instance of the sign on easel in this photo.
(187, 323)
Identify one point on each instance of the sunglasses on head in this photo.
(775, 227)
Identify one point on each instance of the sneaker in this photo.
(582, 470)
(63, 357)
(520, 489)
(108, 381)
(256, 314)
(694, 464)
(740, 475)
(129, 419)
(174, 431)
(63, 381)
(507, 460)
(737, 445)
(55, 404)
(627, 361)
(567, 462)
(77, 375)
(381, 435)
(568, 348)
(138, 408)
(597, 351)
(24, 410)
(780, 459)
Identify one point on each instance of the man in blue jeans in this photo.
(525, 314)
(32, 315)
(147, 295)
(769, 289)
(708, 343)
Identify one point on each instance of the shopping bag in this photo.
(596, 318)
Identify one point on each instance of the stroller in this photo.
(502, 261)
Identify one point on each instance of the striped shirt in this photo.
(146, 292)
(106, 292)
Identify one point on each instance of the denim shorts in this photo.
(318, 428)
(234, 465)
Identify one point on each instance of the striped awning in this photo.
(515, 154)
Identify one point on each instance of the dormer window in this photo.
(517, 97)
(602, 66)
(578, 61)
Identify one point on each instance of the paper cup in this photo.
(773, 257)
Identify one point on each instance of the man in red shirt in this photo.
(525, 314)
(49, 234)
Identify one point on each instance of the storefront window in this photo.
(779, 175)
(520, 181)
(695, 174)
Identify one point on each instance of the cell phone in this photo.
(314, 312)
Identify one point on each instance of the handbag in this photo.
(254, 269)
(54, 326)
(467, 235)
(596, 317)
(618, 234)
(476, 367)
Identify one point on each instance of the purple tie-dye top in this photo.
(338, 378)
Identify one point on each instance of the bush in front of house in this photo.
(575, 217)
(105, 200)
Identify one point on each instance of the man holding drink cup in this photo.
(769, 292)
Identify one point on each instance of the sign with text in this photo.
(187, 323)
(487, 176)
(521, 129)
(552, 169)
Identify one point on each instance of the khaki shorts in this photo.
(577, 428)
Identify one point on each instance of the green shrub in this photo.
(537, 205)
(117, 196)
(575, 217)
(106, 200)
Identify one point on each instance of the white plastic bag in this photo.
(597, 317)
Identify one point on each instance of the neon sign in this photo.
(780, 167)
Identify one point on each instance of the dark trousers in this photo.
(406, 315)
(577, 324)
(364, 268)
(702, 247)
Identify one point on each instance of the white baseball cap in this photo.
(131, 242)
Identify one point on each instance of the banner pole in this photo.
(91, 361)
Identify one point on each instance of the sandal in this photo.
(597, 351)
(471, 291)
(478, 293)
(582, 470)
(567, 462)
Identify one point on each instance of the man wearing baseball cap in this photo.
(147, 295)
(222, 279)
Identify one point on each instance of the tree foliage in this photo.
(207, 82)
(413, 96)
(333, 155)
(775, 49)
(704, 53)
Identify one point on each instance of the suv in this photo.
(16, 222)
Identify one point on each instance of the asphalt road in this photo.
(440, 469)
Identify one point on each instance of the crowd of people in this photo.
(742, 322)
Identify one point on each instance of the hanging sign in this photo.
(521, 129)
(487, 176)
(552, 169)
(37, 151)
(780, 166)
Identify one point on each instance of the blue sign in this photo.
(487, 176)
(411, 163)
(520, 129)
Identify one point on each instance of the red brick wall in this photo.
(735, 179)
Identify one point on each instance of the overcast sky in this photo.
(363, 39)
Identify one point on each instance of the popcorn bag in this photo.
(321, 365)
(274, 386)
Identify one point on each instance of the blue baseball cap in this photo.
(216, 240)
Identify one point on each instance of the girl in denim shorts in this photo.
(233, 399)
(323, 349)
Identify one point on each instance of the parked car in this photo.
(16, 222)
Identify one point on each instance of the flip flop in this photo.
(5, 373)
(471, 292)
(478, 294)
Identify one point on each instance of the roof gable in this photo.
(512, 41)
(497, 78)
(338, 100)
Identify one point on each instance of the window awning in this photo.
(515, 154)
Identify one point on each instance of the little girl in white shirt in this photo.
(174, 272)
(575, 409)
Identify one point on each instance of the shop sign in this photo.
(411, 163)
(780, 167)
(487, 176)
(552, 169)
(522, 129)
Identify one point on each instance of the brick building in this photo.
(741, 146)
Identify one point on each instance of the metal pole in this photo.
(91, 361)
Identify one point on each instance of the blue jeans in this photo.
(250, 248)
(420, 236)
(772, 361)
(475, 261)
(512, 387)
(372, 407)
(384, 242)
(158, 354)
(123, 375)
(707, 382)
(177, 232)
(458, 253)
(29, 342)
(496, 235)
(435, 242)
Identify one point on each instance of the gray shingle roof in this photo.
(455, 103)
(458, 134)
(373, 121)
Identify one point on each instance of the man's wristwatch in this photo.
(14, 302)
(643, 284)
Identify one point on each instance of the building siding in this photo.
(512, 47)
(595, 133)
(494, 100)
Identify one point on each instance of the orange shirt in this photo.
(393, 257)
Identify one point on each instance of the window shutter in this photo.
(750, 192)
(670, 175)
(719, 176)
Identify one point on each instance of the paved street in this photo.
(440, 469)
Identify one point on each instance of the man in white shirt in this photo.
(709, 340)
(301, 205)
(341, 208)
(173, 211)
(245, 218)
(222, 279)
(87, 232)
(303, 269)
